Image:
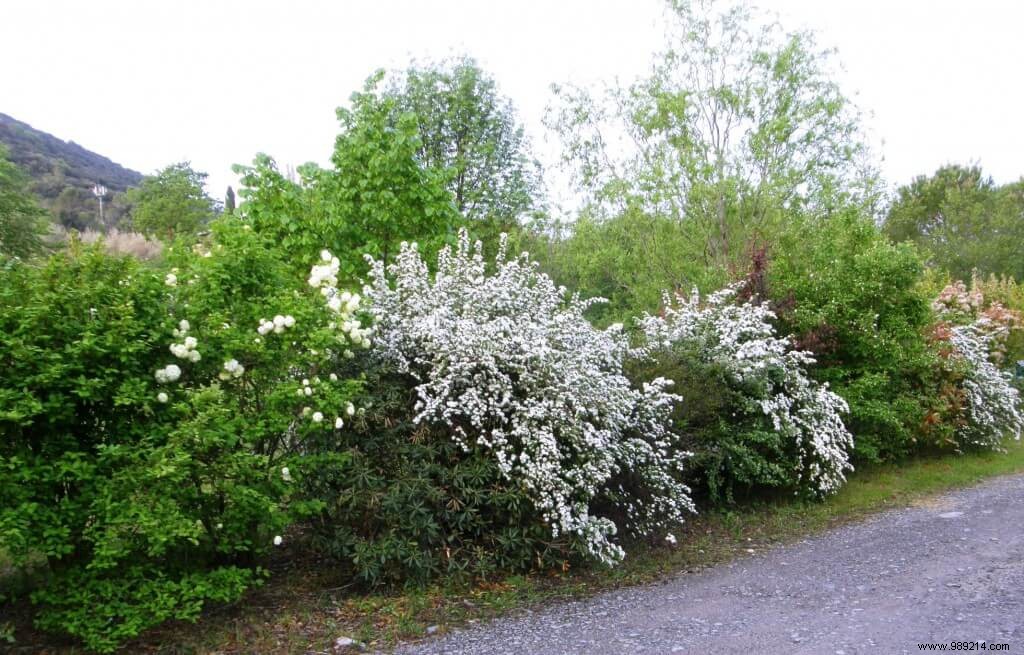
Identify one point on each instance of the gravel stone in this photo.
(884, 585)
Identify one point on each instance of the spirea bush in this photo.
(155, 423)
(991, 405)
(510, 366)
(767, 423)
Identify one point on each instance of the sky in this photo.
(150, 83)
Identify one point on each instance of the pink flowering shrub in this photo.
(510, 366)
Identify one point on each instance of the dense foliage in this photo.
(172, 203)
(22, 221)
(963, 221)
(150, 421)
(762, 422)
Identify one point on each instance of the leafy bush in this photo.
(407, 504)
(852, 298)
(152, 422)
(515, 371)
(758, 420)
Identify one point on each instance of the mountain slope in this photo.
(63, 174)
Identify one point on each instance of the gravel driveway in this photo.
(949, 569)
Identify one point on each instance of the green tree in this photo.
(171, 203)
(738, 129)
(376, 195)
(963, 221)
(471, 133)
(22, 221)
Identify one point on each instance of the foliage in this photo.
(471, 134)
(171, 203)
(376, 194)
(153, 481)
(771, 425)
(63, 173)
(22, 221)
(738, 127)
(998, 323)
(515, 371)
(407, 505)
(963, 221)
(853, 299)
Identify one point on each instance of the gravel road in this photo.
(948, 569)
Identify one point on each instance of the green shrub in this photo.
(152, 481)
(853, 299)
(407, 505)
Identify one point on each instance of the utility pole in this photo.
(100, 191)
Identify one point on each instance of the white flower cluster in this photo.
(513, 367)
(343, 303)
(740, 339)
(187, 348)
(232, 369)
(169, 373)
(278, 325)
(993, 405)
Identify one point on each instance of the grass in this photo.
(305, 606)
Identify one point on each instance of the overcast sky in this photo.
(214, 82)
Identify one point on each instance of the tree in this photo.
(229, 201)
(738, 128)
(963, 221)
(376, 195)
(22, 221)
(171, 203)
(471, 133)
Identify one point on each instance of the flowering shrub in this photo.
(761, 379)
(512, 368)
(992, 404)
(154, 436)
(957, 304)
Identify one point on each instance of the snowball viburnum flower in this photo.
(286, 475)
(278, 540)
(317, 417)
(171, 280)
(169, 373)
(161, 397)
(339, 423)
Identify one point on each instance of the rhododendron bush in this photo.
(510, 365)
(772, 424)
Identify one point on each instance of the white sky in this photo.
(149, 83)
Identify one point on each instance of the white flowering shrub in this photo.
(156, 432)
(512, 368)
(991, 404)
(764, 421)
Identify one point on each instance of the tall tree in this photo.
(738, 126)
(22, 221)
(229, 201)
(963, 221)
(171, 203)
(471, 133)
(376, 195)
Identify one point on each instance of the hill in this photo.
(63, 174)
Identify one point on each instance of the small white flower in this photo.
(184, 326)
(671, 538)
(191, 342)
(278, 540)
(305, 382)
(306, 411)
(171, 280)
(317, 417)
(278, 321)
(307, 391)
(350, 409)
(161, 397)
(289, 320)
(334, 377)
(194, 356)
(286, 474)
(325, 255)
(338, 423)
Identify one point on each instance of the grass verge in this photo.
(304, 607)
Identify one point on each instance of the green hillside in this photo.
(63, 174)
